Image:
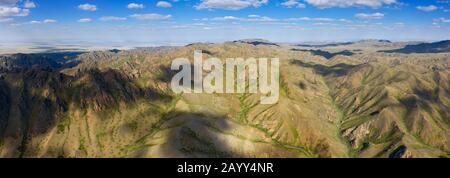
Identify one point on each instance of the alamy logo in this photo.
(237, 75)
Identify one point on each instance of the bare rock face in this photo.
(119, 104)
(100, 90)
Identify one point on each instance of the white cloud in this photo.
(299, 19)
(11, 8)
(345, 20)
(163, 4)
(135, 6)
(49, 21)
(180, 27)
(112, 18)
(250, 18)
(324, 24)
(427, 8)
(442, 20)
(85, 20)
(87, 7)
(373, 16)
(6, 11)
(321, 19)
(8, 2)
(260, 19)
(6, 20)
(29, 4)
(350, 3)
(293, 3)
(225, 18)
(35, 22)
(230, 4)
(151, 16)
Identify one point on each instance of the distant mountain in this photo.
(374, 41)
(437, 47)
(256, 42)
(324, 45)
(327, 54)
(371, 42)
(49, 60)
(153, 49)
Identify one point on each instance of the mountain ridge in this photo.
(435, 47)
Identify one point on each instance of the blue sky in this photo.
(187, 21)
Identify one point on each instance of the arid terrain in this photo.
(371, 98)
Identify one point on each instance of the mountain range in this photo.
(361, 99)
